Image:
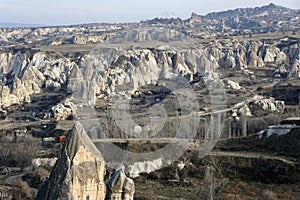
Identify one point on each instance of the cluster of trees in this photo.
(18, 153)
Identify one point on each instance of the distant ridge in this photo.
(19, 25)
(167, 15)
(263, 11)
(251, 13)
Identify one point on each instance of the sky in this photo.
(59, 12)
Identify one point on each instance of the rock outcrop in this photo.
(103, 71)
(150, 50)
(22, 76)
(45, 162)
(120, 187)
(148, 166)
(78, 173)
(233, 85)
(65, 110)
(146, 34)
(106, 72)
(87, 39)
(269, 105)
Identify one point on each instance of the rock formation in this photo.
(269, 105)
(45, 162)
(104, 71)
(87, 39)
(79, 171)
(120, 187)
(252, 49)
(65, 110)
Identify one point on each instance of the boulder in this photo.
(234, 85)
(120, 187)
(52, 85)
(64, 110)
(144, 167)
(269, 105)
(46, 162)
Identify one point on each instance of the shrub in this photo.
(19, 153)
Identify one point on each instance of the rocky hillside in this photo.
(270, 10)
(265, 19)
(259, 19)
(52, 75)
(105, 71)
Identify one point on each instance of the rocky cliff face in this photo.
(79, 171)
(23, 75)
(146, 34)
(87, 39)
(104, 71)
(95, 74)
